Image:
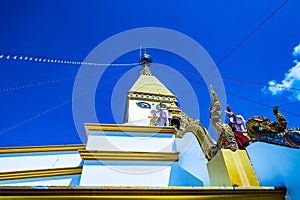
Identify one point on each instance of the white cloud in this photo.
(291, 81)
(296, 52)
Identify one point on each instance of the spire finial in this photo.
(140, 50)
(145, 61)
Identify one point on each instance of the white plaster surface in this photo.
(192, 158)
(32, 161)
(125, 175)
(127, 142)
(46, 181)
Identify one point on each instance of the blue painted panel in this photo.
(276, 166)
(181, 177)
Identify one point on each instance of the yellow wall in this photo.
(230, 168)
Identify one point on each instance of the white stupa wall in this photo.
(70, 180)
(192, 158)
(146, 173)
(140, 116)
(122, 141)
(33, 161)
(122, 173)
(136, 114)
(22, 162)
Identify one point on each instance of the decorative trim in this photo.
(151, 100)
(129, 128)
(214, 193)
(129, 156)
(151, 97)
(150, 94)
(31, 149)
(5, 176)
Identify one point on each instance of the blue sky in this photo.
(36, 97)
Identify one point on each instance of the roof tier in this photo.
(150, 85)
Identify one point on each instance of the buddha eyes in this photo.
(143, 105)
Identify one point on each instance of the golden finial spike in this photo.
(145, 61)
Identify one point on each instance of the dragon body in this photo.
(263, 129)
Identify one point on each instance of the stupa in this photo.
(158, 152)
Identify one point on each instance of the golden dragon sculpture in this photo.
(259, 128)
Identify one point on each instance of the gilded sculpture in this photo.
(262, 129)
(258, 128)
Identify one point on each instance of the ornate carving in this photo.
(146, 71)
(153, 119)
(187, 121)
(226, 138)
(207, 144)
(260, 128)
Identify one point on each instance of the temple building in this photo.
(158, 152)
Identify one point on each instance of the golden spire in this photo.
(145, 61)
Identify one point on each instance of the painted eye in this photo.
(143, 105)
(161, 106)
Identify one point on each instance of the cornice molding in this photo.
(129, 128)
(5, 176)
(32, 149)
(129, 156)
(150, 94)
(214, 193)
